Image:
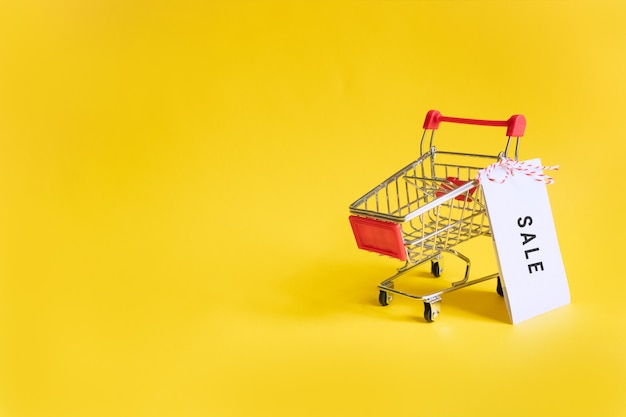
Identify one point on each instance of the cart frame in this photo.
(430, 206)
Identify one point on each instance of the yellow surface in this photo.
(174, 183)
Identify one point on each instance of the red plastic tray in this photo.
(379, 236)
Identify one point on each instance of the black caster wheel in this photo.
(435, 269)
(384, 298)
(499, 288)
(431, 311)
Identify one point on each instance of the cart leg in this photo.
(467, 266)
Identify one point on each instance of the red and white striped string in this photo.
(511, 166)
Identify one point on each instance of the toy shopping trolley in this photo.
(429, 207)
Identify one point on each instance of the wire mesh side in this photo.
(400, 195)
(445, 226)
(436, 199)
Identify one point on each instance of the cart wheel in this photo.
(499, 288)
(384, 298)
(435, 269)
(431, 311)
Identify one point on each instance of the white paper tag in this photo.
(531, 268)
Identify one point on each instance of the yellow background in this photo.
(175, 179)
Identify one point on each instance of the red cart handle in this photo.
(515, 125)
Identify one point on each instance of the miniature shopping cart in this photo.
(429, 207)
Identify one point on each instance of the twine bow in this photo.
(511, 166)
